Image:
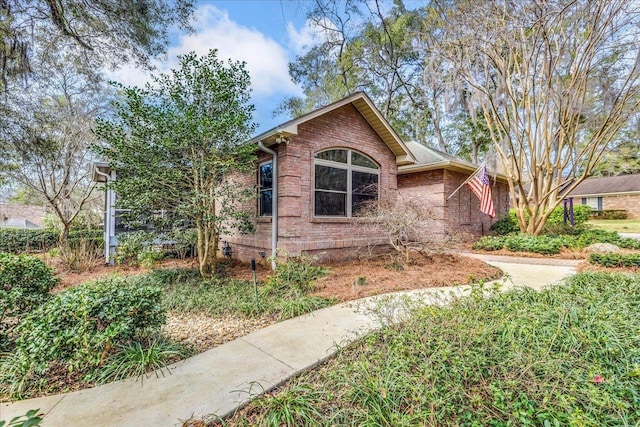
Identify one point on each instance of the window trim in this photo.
(350, 168)
(260, 190)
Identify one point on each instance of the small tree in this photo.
(409, 226)
(45, 138)
(176, 143)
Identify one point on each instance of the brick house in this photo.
(331, 161)
(610, 193)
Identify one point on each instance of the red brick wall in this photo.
(461, 213)
(298, 229)
(463, 209)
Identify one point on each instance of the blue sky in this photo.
(266, 34)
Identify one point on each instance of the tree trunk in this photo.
(207, 248)
(64, 233)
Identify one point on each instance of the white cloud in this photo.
(311, 34)
(266, 60)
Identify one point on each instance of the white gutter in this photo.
(274, 204)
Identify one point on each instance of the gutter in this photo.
(274, 204)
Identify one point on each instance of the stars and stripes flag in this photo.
(479, 185)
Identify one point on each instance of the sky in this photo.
(266, 34)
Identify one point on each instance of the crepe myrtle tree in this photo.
(556, 81)
(177, 144)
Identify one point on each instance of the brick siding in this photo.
(628, 202)
(298, 229)
(461, 213)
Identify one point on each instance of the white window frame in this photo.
(349, 167)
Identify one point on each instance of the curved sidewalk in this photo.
(221, 379)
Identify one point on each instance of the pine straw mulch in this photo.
(354, 279)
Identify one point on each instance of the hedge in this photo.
(20, 240)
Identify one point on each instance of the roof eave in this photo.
(368, 110)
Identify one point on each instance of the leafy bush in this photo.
(18, 241)
(130, 245)
(610, 214)
(80, 326)
(489, 243)
(615, 260)
(581, 214)
(536, 244)
(25, 282)
(506, 225)
(296, 274)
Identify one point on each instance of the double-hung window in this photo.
(345, 182)
(265, 185)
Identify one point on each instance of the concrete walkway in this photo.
(221, 379)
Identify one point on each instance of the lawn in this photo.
(619, 225)
(569, 355)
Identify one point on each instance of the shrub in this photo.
(506, 225)
(615, 260)
(79, 327)
(610, 214)
(25, 282)
(580, 214)
(18, 241)
(80, 252)
(489, 243)
(295, 273)
(536, 244)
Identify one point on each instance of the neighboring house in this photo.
(22, 216)
(609, 193)
(328, 164)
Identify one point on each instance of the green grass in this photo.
(518, 358)
(619, 225)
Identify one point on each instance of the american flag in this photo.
(479, 185)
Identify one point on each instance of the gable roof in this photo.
(368, 110)
(607, 185)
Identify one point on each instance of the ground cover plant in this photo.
(568, 355)
(574, 239)
(615, 260)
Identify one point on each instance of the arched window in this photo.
(345, 182)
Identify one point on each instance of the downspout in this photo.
(274, 205)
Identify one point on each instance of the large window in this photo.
(265, 184)
(345, 182)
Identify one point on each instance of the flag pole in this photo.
(467, 180)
